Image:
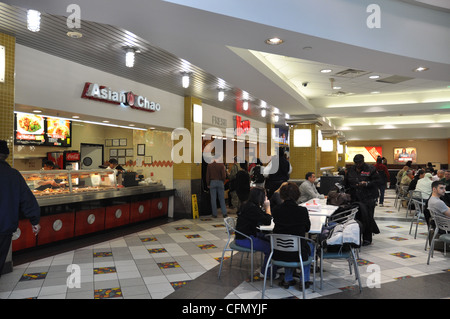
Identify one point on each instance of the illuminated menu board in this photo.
(32, 129)
(370, 153)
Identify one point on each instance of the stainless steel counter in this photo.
(82, 197)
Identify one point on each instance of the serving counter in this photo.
(83, 202)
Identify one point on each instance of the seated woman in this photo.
(251, 216)
(292, 219)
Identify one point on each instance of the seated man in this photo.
(435, 203)
(407, 178)
(308, 189)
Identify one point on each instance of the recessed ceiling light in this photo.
(37, 111)
(74, 34)
(274, 41)
(337, 87)
(75, 117)
(420, 69)
(151, 128)
(132, 125)
(374, 77)
(375, 92)
(105, 121)
(325, 71)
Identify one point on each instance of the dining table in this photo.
(318, 211)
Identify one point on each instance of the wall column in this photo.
(187, 177)
(329, 158)
(7, 94)
(304, 159)
(7, 111)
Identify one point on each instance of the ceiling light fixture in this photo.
(263, 112)
(275, 118)
(33, 20)
(221, 94)
(375, 92)
(74, 34)
(325, 71)
(129, 58)
(337, 87)
(274, 41)
(420, 69)
(245, 105)
(37, 111)
(373, 77)
(185, 79)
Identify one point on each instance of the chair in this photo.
(442, 223)
(418, 205)
(342, 217)
(349, 254)
(413, 194)
(401, 196)
(230, 224)
(290, 243)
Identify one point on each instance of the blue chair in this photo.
(442, 223)
(230, 224)
(289, 243)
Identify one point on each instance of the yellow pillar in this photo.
(187, 176)
(304, 159)
(341, 155)
(329, 158)
(7, 94)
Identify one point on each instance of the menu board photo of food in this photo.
(30, 129)
(58, 132)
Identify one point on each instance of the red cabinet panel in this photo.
(89, 221)
(24, 236)
(158, 207)
(56, 227)
(117, 215)
(139, 211)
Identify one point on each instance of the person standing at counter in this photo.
(15, 198)
(362, 180)
(215, 179)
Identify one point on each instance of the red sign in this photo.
(73, 156)
(241, 126)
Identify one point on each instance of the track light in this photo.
(129, 58)
(33, 20)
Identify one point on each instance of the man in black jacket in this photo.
(15, 198)
(362, 180)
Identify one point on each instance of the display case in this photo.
(65, 182)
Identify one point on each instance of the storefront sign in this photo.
(241, 126)
(96, 92)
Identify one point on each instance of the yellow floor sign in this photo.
(194, 207)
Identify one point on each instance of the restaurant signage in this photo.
(241, 126)
(94, 91)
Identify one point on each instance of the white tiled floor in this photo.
(137, 274)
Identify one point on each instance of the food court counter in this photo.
(69, 215)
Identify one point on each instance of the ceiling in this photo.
(226, 45)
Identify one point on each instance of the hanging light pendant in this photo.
(33, 20)
(129, 58)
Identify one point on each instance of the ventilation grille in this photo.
(351, 73)
(394, 79)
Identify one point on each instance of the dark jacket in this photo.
(291, 219)
(242, 185)
(250, 217)
(16, 200)
(367, 174)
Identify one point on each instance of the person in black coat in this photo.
(251, 216)
(16, 200)
(362, 181)
(291, 219)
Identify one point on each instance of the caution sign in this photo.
(194, 207)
